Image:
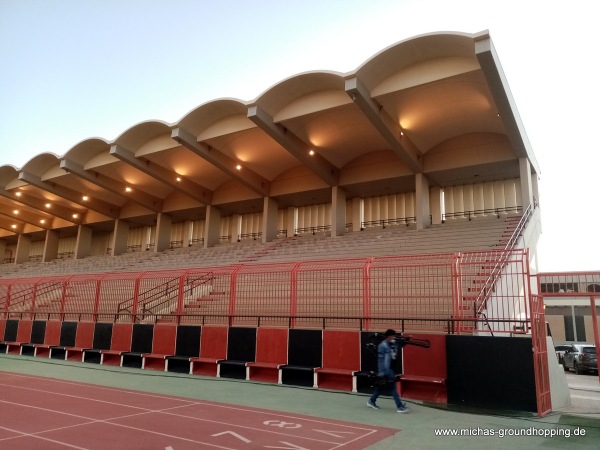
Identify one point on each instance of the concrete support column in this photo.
(50, 246)
(188, 231)
(422, 201)
(23, 247)
(212, 227)
(338, 211)
(292, 221)
(535, 186)
(269, 220)
(163, 232)
(526, 184)
(235, 227)
(83, 244)
(358, 213)
(119, 241)
(147, 238)
(436, 205)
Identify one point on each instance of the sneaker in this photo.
(372, 405)
(402, 409)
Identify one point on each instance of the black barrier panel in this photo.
(491, 372)
(68, 330)
(102, 336)
(241, 344)
(141, 338)
(10, 332)
(305, 348)
(188, 341)
(38, 332)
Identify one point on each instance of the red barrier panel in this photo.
(271, 352)
(341, 358)
(163, 345)
(424, 370)
(213, 347)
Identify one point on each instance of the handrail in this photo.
(384, 222)
(162, 292)
(483, 295)
(27, 293)
(476, 212)
(449, 323)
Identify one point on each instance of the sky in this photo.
(72, 70)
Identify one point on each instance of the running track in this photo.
(49, 414)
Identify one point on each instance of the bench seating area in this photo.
(324, 359)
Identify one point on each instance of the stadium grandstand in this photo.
(272, 239)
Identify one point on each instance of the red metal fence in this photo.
(455, 293)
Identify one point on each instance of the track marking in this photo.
(189, 403)
(23, 434)
(235, 435)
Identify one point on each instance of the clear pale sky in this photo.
(72, 69)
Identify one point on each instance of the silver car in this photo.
(580, 358)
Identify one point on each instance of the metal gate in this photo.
(540, 356)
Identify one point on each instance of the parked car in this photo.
(580, 358)
(560, 352)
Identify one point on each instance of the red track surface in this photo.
(45, 413)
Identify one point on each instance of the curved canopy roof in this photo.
(436, 104)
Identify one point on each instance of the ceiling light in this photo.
(16, 211)
(85, 198)
(18, 194)
(178, 179)
(42, 220)
(127, 189)
(238, 167)
(311, 152)
(75, 216)
(48, 205)
(13, 226)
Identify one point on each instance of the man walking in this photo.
(386, 353)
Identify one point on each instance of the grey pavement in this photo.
(573, 428)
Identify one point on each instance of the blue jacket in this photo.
(386, 353)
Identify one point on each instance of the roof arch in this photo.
(136, 136)
(40, 164)
(285, 92)
(86, 150)
(208, 113)
(415, 50)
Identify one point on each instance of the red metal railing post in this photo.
(136, 297)
(180, 293)
(32, 310)
(456, 293)
(294, 294)
(595, 325)
(97, 298)
(232, 294)
(367, 293)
